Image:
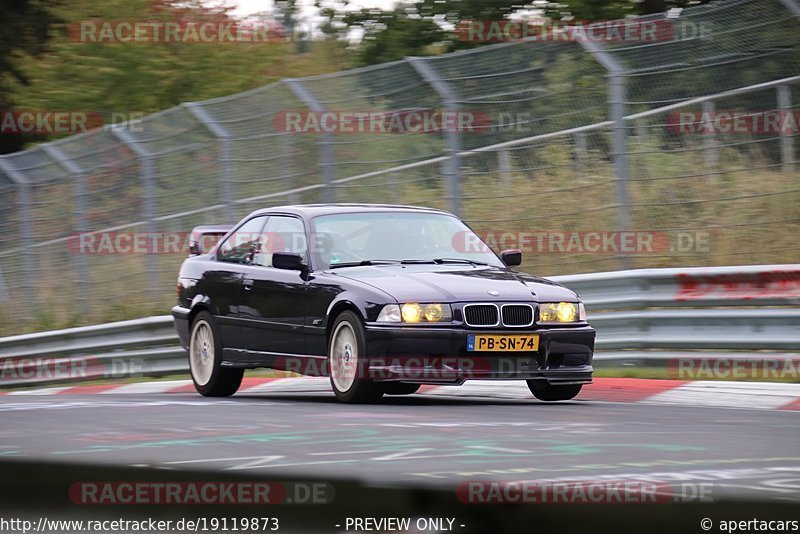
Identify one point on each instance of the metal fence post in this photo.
(326, 159)
(224, 154)
(620, 157)
(711, 152)
(785, 101)
(147, 170)
(29, 286)
(78, 176)
(787, 141)
(504, 167)
(452, 166)
(793, 6)
(581, 154)
(617, 103)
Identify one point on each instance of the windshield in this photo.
(361, 238)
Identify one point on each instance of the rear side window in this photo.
(244, 243)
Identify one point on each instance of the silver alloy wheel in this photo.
(201, 352)
(344, 356)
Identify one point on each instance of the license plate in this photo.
(509, 343)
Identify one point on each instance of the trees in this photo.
(26, 25)
(424, 26)
(131, 78)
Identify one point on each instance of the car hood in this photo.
(448, 283)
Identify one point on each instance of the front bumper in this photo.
(440, 356)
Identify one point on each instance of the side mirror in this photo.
(291, 261)
(194, 249)
(511, 257)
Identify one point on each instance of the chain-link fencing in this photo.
(673, 149)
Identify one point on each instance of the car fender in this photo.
(366, 308)
(204, 302)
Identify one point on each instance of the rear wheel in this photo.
(346, 355)
(205, 360)
(400, 388)
(545, 391)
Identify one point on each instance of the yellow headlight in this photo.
(434, 312)
(547, 313)
(567, 312)
(558, 312)
(412, 313)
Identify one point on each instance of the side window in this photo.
(243, 243)
(281, 234)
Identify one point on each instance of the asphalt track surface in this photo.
(415, 440)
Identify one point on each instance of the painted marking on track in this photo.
(40, 391)
(258, 462)
(235, 458)
(342, 453)
(307, 437)
(404, 455)
(58, 403)
(139, 388)
(498, 449)
(271, 466)
(727, 394)
(557, 469)
(784, 485)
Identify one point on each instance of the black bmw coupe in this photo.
(380, 298)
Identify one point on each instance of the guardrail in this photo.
(640, 315)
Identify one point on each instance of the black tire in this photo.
(400, 388)
(545, 391)
(347, 379)
(210, 378)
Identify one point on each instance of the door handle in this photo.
(248, 284)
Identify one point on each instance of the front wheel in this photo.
(347, 361)
(205, 360)
(545, 391)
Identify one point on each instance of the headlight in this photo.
(558, 312)
(389, 314)
(413, 312)
(581, 312)
(437, 312)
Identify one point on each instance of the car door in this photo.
(274, 299)
(223, 283)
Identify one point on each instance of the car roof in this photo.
(314, 210)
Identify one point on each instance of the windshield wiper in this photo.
(363, 263)
(437, 261)
(459, 260)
